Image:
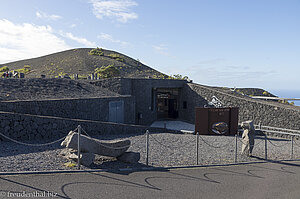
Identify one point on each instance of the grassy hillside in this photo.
(83, 61)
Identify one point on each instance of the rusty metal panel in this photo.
(234, 119)
(201, 121)
(216, 121)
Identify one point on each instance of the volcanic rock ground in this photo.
(37, 88)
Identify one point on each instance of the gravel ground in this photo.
(164, 150)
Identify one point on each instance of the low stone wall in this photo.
(259, 111)
(87, 109)
(32, 127)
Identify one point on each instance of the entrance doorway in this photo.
(167, 103)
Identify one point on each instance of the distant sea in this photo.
(287, 94)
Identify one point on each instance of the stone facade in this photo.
(39, 119)
(266, 113)
(144, 92)
(33, 127)
(87, 109)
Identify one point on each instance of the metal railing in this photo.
(197, 141)
(265, 139)
(278, 130)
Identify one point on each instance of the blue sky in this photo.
(242, 43)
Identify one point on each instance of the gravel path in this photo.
(164, 150)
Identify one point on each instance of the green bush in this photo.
(178, 76)
(4, 69)
(97, 51)
(25, 69)
(158, 76)
(116, 57)
(107, 71)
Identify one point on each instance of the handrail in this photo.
(282, 129)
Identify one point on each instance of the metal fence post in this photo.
(292, 147)
(197, 148)
(236, 146)
(266, 148)
(78, 146)
(147, 147)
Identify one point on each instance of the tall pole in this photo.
(147, 147)
(236, 146)
(266, 148)
(78, 147)
(197, 148)
(292, 147)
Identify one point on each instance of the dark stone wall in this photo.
(87, 109)
(138, 96)
(266, 113)
(33, 127)
(142, 90)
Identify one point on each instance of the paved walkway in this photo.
(259, 181)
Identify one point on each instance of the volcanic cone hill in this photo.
(83, 61)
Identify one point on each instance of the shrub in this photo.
(116, 57)
(178, 76)
(158, 76)
(107, 71)
(25, 69)
(97, 51)
(4, 69)
(62, 74)
(266, 93)
(82, 76)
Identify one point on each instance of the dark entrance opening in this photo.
(173, 111)
(167, 103)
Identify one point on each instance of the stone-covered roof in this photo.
(37, 89)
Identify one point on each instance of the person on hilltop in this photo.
(4, 75)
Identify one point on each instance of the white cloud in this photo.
(107, 37)
(80, 40)
(47, 16)
(115, 9)
(73, 25)
(224, 75)
(162, 49)
(23, 41)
